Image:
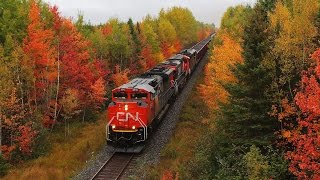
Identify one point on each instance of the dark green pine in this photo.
(245, 118)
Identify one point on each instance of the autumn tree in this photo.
(40, 55)
(18, 134)
(304, 156)
(75, 69)
(100, 45)
(294, 26)
(204, 31)
(167, 36)
(119, 43)
(120, 77)
(150, 53)
(235, 19)
(76, 65)
(184, 23)
(226, 54)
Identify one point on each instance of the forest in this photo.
(262, 91)
(56, 71)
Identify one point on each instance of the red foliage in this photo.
(304, 159)
(37, 47)
(26, 138)
(76, 69)
(177, 45)
(57, 20)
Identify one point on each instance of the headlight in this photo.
(133, 127)
(113, 126)
(126, 107)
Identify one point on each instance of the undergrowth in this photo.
(67, 155)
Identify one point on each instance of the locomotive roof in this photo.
(159, 70)
(177, 56)
(172, 62)
(144, 83)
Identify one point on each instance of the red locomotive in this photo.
(139, 105)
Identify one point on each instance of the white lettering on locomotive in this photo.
(124, 116)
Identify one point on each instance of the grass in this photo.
(67, 156)
(180, 151)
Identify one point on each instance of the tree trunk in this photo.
(57, 93)
(21, 90)
(84, 114)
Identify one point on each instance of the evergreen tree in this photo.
(245, 117)
(134, 36)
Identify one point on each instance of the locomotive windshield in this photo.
(139, 96)
(120, 95)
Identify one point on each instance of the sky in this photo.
(99, 11)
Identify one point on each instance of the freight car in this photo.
(139, 105)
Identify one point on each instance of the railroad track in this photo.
(114, 167)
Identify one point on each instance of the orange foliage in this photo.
(177, 45)
(7, 150)
(47, 121)
(120, 77)
(170, 49)
(168, 175)
(217, 71)
(147, 59)
(107, 29)
(98, 93)
(288, 110)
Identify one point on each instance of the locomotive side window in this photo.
(139, 96)
(120, 95)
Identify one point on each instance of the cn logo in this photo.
(124, 116)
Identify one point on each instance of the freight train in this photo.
(139, 105)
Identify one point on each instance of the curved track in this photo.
(114, 167)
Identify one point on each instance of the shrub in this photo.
(4, 166)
